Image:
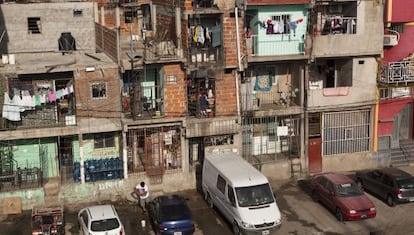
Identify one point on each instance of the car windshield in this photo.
(104, 225)
(348, 190)
(406, 183)
(254, 195)
(174, 212)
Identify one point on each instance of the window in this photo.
(338, 18)
(346, 132)
(99, 90)
(34, 25)
(146, 16)
(130, 16)
(230, 195)
(336, 73)
(104, 141)
(279, 24)
(221, 184)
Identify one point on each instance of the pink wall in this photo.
(387, 110)
(404, 48)
(402, 11)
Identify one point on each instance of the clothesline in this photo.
(12, 107)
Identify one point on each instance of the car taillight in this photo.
(120, 232)
(161, 227)
(399, 192)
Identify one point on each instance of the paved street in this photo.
(301, 216)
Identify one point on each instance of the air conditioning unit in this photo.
(390, 40)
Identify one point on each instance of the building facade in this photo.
(142, 89)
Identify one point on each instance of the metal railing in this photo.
(338, 25)
(257, 46)
(397, 72)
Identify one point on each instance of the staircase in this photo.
(404, 155)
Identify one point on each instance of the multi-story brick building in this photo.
(289, 83)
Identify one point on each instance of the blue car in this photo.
(170, 215)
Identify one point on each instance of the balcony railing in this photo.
(151, 101)
(337, 25)
(51, 115)
(275, 45)
(397, 72)
(205, 56)
(267, 100)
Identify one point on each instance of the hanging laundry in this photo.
(200, 36)
(43, 98)
(37, 100)
(51, 97)
(26, 100)
(11, 110)
(293, 25)
(65, 91)
(71, 89)
(195, 34)
(59, 94)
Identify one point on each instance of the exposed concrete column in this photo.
(178, 31)
(154, 19)
(81, 158)
(103, 16)
(118, 27)
(184, 154)
(124, 153)
(95, 12)
(304, 127)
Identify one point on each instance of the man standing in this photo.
(142, 191)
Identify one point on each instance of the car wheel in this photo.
(390, 200)
(339, 215)
(360, 184)
(236, 229)
(315, 196)
(209, 201)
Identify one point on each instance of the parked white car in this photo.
(100, 220)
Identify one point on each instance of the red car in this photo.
(341, 195)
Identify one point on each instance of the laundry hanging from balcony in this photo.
(22, 100)
(278, 25)
(205, 36)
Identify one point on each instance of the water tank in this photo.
(67, 42)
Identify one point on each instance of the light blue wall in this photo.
(39, 153)
(279, 44)
(89, 152)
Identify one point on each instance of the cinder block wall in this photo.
(55, 18)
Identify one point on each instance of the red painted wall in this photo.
(404, 48)
(402, 11)
(387, 110)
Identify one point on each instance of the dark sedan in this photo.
(390, 184)
(340, 194)
(170, 215)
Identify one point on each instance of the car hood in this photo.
(260, 214)
(357, 203)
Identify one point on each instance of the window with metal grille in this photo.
(104, 140)
(270, 136)
(34, 25)
(98, 90)
(346, 132)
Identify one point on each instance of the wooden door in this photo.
(315, 155)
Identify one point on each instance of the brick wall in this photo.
(229, 39)
(226, 100)
(109, 107)
(106, 41)
(175, 96)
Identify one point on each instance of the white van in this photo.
(241, 193)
